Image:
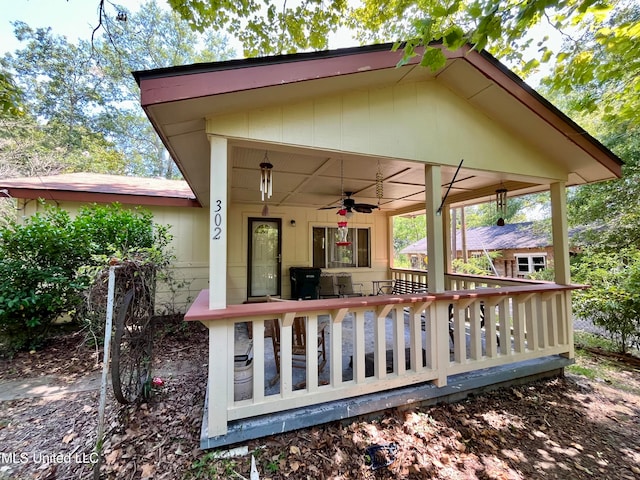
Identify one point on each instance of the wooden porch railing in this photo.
(432, 336)
(418, 276)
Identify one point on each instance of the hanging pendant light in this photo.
(266, 177)
(501, 205)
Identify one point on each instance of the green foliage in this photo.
(211, 465)
(265, 28)
(150, 38)
(10, 96)
(407, 230)
(82, 100)
(518, 208)
(600, 72)
(38, 264)
(475, 265)
(47, 263)
(113, 230)
(613, 301)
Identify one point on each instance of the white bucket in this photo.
(243, 380)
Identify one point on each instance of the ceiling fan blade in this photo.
(362, 209)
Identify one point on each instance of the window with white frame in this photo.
(531, 263)
(326, 254)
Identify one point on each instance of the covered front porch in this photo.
(352, 124)
(384, 351)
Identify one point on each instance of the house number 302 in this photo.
(217, 220)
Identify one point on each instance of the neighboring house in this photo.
(170, 201)
(311, 127)
(516, 250)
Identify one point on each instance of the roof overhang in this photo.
(100, 188)
(178, 101)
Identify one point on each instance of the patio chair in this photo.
(327, 286)
(346, 288)
(299, 342)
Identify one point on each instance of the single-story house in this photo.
(170, 201)
(517, 249)
(286, 152)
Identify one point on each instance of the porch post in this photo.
(560, 233)
(220, 366)
(218, 223)
(435, 234)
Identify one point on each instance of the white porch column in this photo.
(218, 223)
(560, 231)
(435, 234)
(220, 366)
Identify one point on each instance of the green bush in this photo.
(48, 262)
(113, 230)
(613, 301)
(38, 266)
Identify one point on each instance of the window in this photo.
(530, 263)
(326, 254)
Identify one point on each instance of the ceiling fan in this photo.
(349, 204)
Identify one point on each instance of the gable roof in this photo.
(508, 237)
(178, 100)
(101, 188)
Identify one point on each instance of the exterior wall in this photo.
(297, 247)
(421, 121)
(190, 230)
(506, 264)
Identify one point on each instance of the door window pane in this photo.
(319, 241)
(264, 258)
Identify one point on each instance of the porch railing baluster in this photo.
(531, 309)
(286, 354)
(399, 352)
(312, 353)
(379, 342)
(475, 331)
(358, 347)
(258, 360)
(335, 352)
(519, 323)
(490, 340)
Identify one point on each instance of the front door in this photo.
(265, 255)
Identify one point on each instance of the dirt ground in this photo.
(566, 428)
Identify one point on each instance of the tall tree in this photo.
(150, 38)
(84, 96)
(605, 99)
(58, 130)
(599, 71)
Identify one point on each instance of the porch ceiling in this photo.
(314, 180)
(178, 100)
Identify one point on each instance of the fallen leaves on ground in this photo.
(557, 428)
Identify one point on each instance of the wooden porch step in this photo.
(458, 387)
